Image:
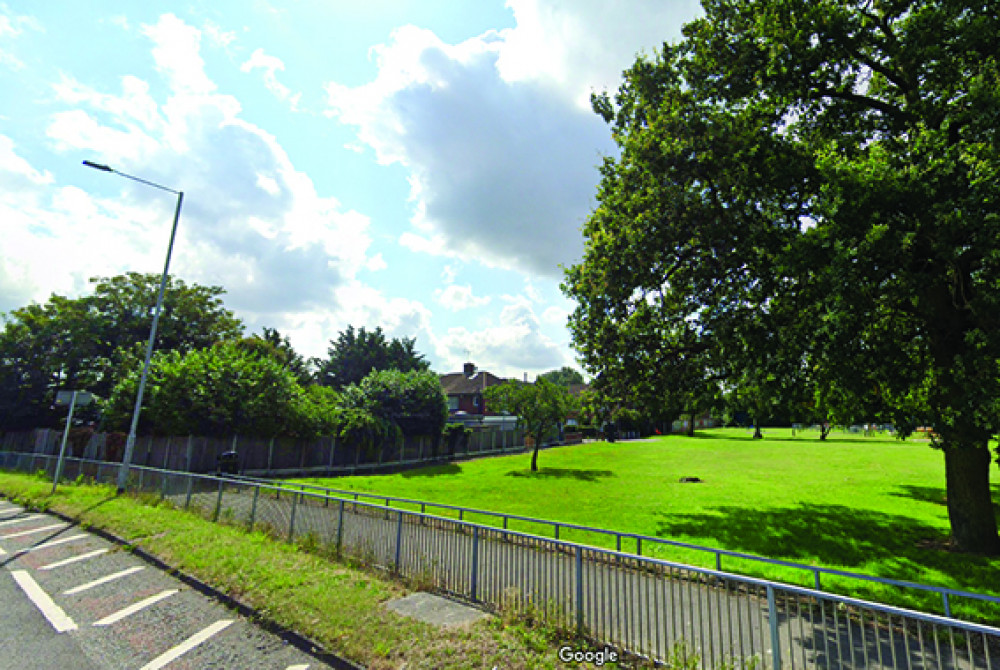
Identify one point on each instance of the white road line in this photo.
(303, 666)
(33, 531)
(132, 609)
(56, 616)
(74, 559)
(11, 522)
(2, 552)
(103, 580)
(53, 543)
(186, 646)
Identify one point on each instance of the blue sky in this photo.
(423, 166)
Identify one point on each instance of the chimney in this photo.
(469, 370)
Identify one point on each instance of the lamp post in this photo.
(130, 442)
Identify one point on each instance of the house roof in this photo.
(457, 383)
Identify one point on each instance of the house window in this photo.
(453, 403)
(477, 401)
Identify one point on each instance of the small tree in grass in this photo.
(541, 407)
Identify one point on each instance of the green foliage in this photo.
(542, 407)
(355, 354)
(803, 212)
(564, 376)
(220, 391)
(86, 342)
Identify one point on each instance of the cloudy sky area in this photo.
(420, 165)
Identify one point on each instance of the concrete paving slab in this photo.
(436, 610)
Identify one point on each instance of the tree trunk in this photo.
(757, 435)
(691, 426)
(534, 458)
(970, 504)
(824, 430)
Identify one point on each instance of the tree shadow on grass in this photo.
(836, 535)
(433, 471)
(563, 473)
(937, 495)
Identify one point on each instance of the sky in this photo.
(422, 166)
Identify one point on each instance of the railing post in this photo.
(399, 541)
(163, 488)
(772, 616)
(816, 580)
(947, 604)
(718, 561)
(253, 507)
(190, 488)
(579, 590)
(474, 572)
(291, 521)
(556, 526)
(218, 501)
(340, 527)
(638, 546)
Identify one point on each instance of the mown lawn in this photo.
(873, 505)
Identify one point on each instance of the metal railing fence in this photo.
(646, 606)
(625, 542)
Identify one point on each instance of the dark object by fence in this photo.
(228, 463)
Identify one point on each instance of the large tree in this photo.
(842, 152)
(356, 353)
(87, 342)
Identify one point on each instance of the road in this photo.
(72, 599)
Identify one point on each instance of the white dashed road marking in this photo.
(304, 666)
(11, 522)
(103, 580)
(56, 616)
(187, 645)
(132, 609)
(33, 531)
(74, 559)
(54, 543)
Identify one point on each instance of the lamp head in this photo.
(98, 166)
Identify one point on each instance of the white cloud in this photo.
(580, 46)
(502, 153)
(251, 221)
(376, 263)
(271, 65)
(457, 298)
(511, 347)
(13, 26)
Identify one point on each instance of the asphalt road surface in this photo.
(71, 599)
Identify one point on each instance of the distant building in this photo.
(465, 391)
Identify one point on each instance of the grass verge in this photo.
(339, 606)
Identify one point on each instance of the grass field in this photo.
(873, 505)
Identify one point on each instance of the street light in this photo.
(130, 442)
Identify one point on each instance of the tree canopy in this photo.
(223, 390)
(86, 342)
(564, 376)
(356, 353)
(541, 407)
(807, 190)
